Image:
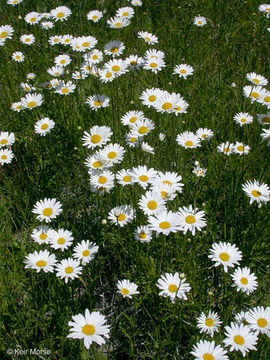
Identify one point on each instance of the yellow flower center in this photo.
(3, 141)
(60, 15)
(17, 57)
(4, 157)
(239, 340)
(41, 263)
(133, 119)
(266, 98)
(61, 241)
(69, 270)
(97, 164)
(65, 90)
(152, 205)
(164, 225)
(97, 103)
(95, 138)
(33, 19)
(44, 126)
(226, 150)
(261, 322)
(63, 61)
(3, 34)
(183, 71)
(31, 104)
(118, 24)
(127, 178)
(133, 63)
(125, 291)
(102, 180)
(115, 68)
(243, 120)
(209, 322)
(142, 235)
(147, 39)
(18, 107)
(256, 81)
(94, 17)
(240, 148)
(199, 22)
(66, 41)
(88, 330)
(163, 194)
(153, 65)
(143, 178)
(133, 139)
(152, 98)
(255, 193)
(85, 44)
(47, 212)
(224, 256)
(244, 281)
(189, 143)
(166, 106)
(112, 155)
(114, 50)
(125, 14)
(266, 119)
(121, 217)
(27, 40)
(143, 130)
(208, 356)
(43, 236)
(85, 252)
(172, 288)
(94, 57)
(254, 95)
(190, 219)
(108, 75)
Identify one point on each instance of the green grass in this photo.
(36, 308)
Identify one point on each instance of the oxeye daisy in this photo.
(168, 192)
(66, 39)
(32, 18)
(239, 337)
(206, 350)
(265, 99)
(62, 60)
(264, 119)
(114, 48)
(154, 65)
(124, 177)
(172, 286)
(97, 101)
(121, 215)
(226, 148)
(55, 39)
(225, 254)
(126, 288)
(143, 234)
(97, 136)
(136, 2)
(164, 222)
(258, 319)
(17, 106)
(204, 134)
(27, 39)
(6, 156)
(94, 163)
(118, 22)
(147, 148)
(78, 75)
(60, 13)
(253, 92)
(30, 76)
(191, 219)
(83, 43)
(6, 139)
(143, 176)
(116, 66)
(6, 32)
(170, 178)
(150, 96)
(85, 251)
(188, 140)
(130, 117)
(151, 203)
(148, 37)
(41, 260)
(68, 269)
(142, 127)
(47, 209)
(183, 70)
(134, 62)
(199, 21)
(244, 280)
(60, 239)
(106, 75)
(30, 101)
(241, 318)
(265, 8)
(18, 56)
(166, 103)
(14, 2)
(240, 148)
(243, 118)
(65, 88)
(44, 126)
(46, 25)
(256, 79)
(199, 171)
(40, 235)
(93, 57)
(26, 87)
(256, 191)
(91, 328)
(209, 323)
(154, 54)
(94, 15)
(103, 181)
(125, 12)
(132, 140)
(266, 136)
(112, 154)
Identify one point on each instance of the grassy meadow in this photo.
(37, 307)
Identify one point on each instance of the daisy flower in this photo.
(118, 22)
(164, 222)
(243, 118)
(125, 12)
(65, 88)
(226, 148)
(60, 13)
(83, 43)
(148, 37)
(106, 75)
(256, 192)
(66, 39)
(27, 39)
(46, 25)
(40, 235)
(97, 136)
(124, 177)
(265, 8)
(209, 323)
(30, 101)
(121, 215)
(266, 135)
(18, 56)
(62, 60)
(256, 79)
(171, 285)
(191, 219)
(112, 154)
(6, 139)
(183, 70)
(130, 117)
(241, 318)
(91, 328)
(240, 148)
(68, 269)
(94, 163)
(151, 203)
(26, 87)
(258, 319)
(168, 192)
(126, 288)
(85, 251)
(117, 67)
(206, 350)
(149, 97)
(143, 234)
(154, 65)
(265, 99)
(253, 92)
(188, 140)
(6, 32)
(147, 148)
(166, 103)
(134, 62)
(244, 280)
(153, 54)
(6, 156)
(136, 2)
(55, 39)
(132, 140)
(78, 76)
(199, 171)
(143, 176)
(30, 76)
(44, 126)
(97, 101)
(93, 57)
(114, 48)
(41, 260)
(142, 127)
(14, 2)
(60, 239)
(170, 178)
(199, 21)
(239, 337)
(225, 254)
(94, 15)
(264, 119)
(103, 181)
(47, 209)
(204, 134)
(32, 18)
(17, 106)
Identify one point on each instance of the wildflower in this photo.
(97, 136)
(183, 70)
(6, 156)
(41, 260)
(65, 88)
(44, 126)
(18, 56)
(27, 39)
(243, 118)
(240, 148)
(6, 139)
(239, 337)
(125, 12)
(124, 177)
(264, 119)
(127, 288)
(32, 18)
(151, 203)
(256, 79)
(244, 280)
(206, 350)
(6, 32)
(143, 176)
(209, 323)
(40, 235)
(30, 101)
(258, 319)
(121, 215)
(62, 60)
(226, 148)
(112, 154)
(47, 209)
(97, 101)
(191, 219)
(143, 234)
(85, 251)
(256, 192)
(114, 48)
(188, 140)
(225, 254)
(60, 239)
(94, 15)
(266, 135)
(164, 222)
(265, 8)
(148, 37)
(204, 134)
(118, 22)
(172, 286)
(60, 13)
(68, 269)
(199, 21)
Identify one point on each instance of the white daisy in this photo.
(258, 319)
(41, 260)
(164, 222)
(27, 39)
(121, 215)
(124, 177)
(206, 350)
(97, 101)
(256, 191)
(225, 254)
(126, 288)
(94, 15)
(256, 79)
(191, 219)
(204, 134)
(239, 337)
(118, 22)
(226, 148)
(85, 251)
(40, 235)
(264, 119)
(60, 239)
(172, 286)
(143, 234)
(244, 280)
(243, 118)
(209, 323)
(18, 56)
(240, 148)
(151, 203)
(183, 70)
(60, 13)
(114, 48)
(68, 269)
(30, 101)
(148, 37)
(6, 156)
(188, 140)
(143, 176)
(199, 21)
(47, 209)
(44, 126)
(6, 139)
